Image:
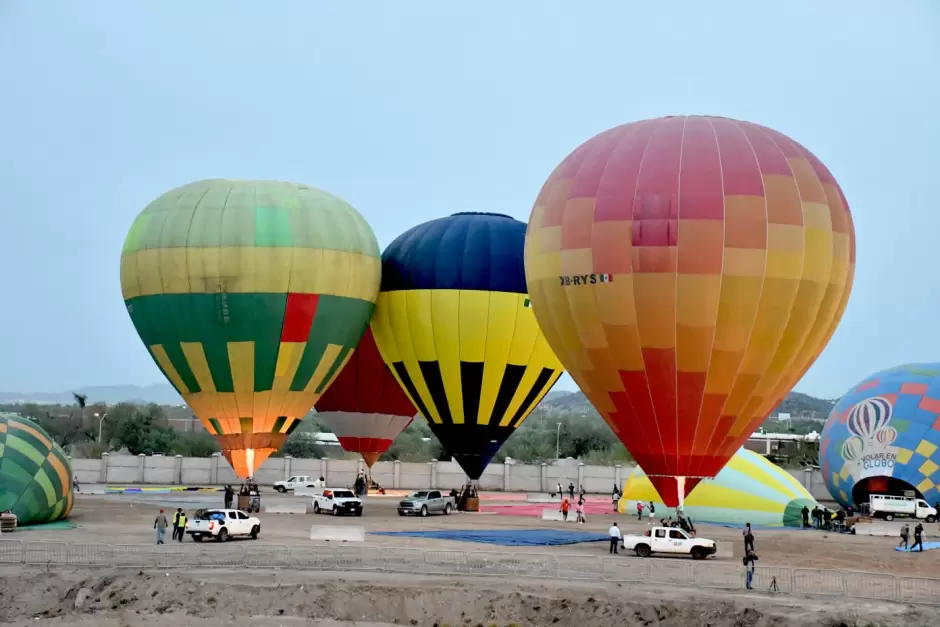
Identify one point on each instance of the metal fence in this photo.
(378, 558)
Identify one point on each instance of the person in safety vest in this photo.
(176, 522)
(182, 524)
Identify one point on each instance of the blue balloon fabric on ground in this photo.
(927, 547)
(506, 537)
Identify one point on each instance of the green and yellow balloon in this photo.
(35, 474)
(250, 296)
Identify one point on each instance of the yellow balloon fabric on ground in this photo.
(748, 489)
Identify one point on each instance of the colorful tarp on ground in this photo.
(35, 474)
(504, 537)
(748, 489)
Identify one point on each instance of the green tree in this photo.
(301, 446)
(145, 432)
(199, 444)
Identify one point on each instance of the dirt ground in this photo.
(83, 597)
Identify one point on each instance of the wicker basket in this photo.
(8, 522)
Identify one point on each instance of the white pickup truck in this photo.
(669, 540)
(297, 481)
(222, 524)
(336, 501)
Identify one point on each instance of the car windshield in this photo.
(343, 494)
(419, 495)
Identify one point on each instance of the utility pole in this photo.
(558, 441)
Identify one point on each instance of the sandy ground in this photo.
(74, 596)
(121, 597)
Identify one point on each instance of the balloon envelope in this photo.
(454, 323)
(365, 407)
(35, 473)
(687, 271)
(250, 297)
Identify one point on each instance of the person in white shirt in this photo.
(615, 537)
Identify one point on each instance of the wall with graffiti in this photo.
(883, 437)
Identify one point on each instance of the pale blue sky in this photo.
(413, 110)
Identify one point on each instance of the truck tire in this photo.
(197, 537)
(316, 508)
(448, 509)
(334, 511)
(401, 513)
(643, 550)
(698, 553)
(281, 489)
(223, 535)
(255, 531)
(424, 511)
(889, 516)
(930, 519)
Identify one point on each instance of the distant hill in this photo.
(796, 404)
(159, 393)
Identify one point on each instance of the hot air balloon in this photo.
(687, 271)
(250, 297)
(35, 473)
(454, 323)
(852, 448)
(365, 407)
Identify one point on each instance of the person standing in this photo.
(580, 510)
(160, 525)
(571, 491)
(564, 509)
(749, 568)
(229, 496)
(652, 514)
(905, 537)
(615, 537)
(918, 537)
(805, 513)
(639, 511)
(182, 525)
(176, 522)
(748, 538)
(561, 492)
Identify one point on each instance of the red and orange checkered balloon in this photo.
(687, 271)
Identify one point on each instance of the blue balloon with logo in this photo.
(883, 437)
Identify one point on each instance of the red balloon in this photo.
(365, 407)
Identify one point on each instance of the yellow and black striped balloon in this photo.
(454, 323)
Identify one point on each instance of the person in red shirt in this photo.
(564, 509)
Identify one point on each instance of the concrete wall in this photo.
(510, 476)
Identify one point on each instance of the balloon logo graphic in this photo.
(454, 323)
(852, 448)
(887, 436)
(869, 416)
(687, 271)
(250, 296)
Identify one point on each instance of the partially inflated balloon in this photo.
(365, 407)
(250, 296)
(35, 473)
(687, 271)
(454, 323)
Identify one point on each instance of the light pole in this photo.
(557, 441)
(100, 424)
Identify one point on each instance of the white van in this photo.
(887, 506)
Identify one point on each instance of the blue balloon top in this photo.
(465, 251)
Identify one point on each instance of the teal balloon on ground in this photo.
(35, 473)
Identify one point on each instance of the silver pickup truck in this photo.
(424, 502)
